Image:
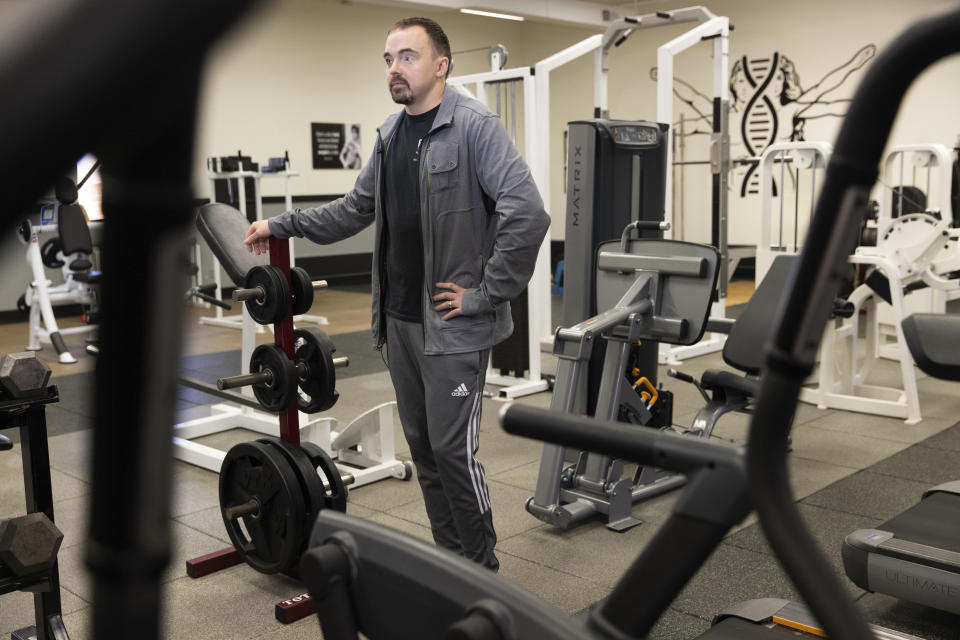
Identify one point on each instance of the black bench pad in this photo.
(224, 228)
(933, 342)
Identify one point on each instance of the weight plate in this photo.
(276, 300)
(48, 253)
(335, 496)
(269, 539)
(314, 349)
(276, 395)
(301, 287)
(310, 481)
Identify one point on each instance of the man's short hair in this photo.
(441, 44)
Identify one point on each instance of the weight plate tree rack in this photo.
(364, 446)
(270, 489)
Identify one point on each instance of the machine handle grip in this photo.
(651, 393)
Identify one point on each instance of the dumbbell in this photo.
(23, 375)
(29, 543)
(267, 294)
(275, 378)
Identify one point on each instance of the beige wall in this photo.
(300, 61)
(816, 36)
(303, 61)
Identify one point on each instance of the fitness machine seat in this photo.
(730, 381)
(74, 236)
(224, 227)
(743, 350)
(915, 556)
(366, 577)
(931, 340)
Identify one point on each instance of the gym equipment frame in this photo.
(812, 156)
(536, 101)
(538, 289)
(935, 164)
(656, 290)
(710, 27)
(913, 250)
(41, 295)
(29, 415)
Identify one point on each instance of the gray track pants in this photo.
(438, 398)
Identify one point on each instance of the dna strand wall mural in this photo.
(773, 104)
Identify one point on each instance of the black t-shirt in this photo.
(404, 297)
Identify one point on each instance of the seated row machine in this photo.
(653, 291)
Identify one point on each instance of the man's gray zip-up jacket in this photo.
(481, 217)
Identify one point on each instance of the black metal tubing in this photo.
(71, 69)
(146, 195)
(38, 490)
(808, 301)
(212, 390)
(663, 449)
(715, 499)
(121, 79)
(657, 576)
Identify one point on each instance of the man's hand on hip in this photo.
(258, 237)
(449, 301)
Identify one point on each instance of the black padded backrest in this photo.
(932, 340)
(745, 348)
(73, 230)
(682, 296)
(224, 228)
(65, 190)
(406, 588)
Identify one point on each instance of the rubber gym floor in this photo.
(848, 471)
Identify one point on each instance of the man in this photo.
(459, 222)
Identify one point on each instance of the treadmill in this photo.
(915, 556)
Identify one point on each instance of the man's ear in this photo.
(443, 65)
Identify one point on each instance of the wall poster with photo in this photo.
(336, 145)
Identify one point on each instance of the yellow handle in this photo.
(654, 395)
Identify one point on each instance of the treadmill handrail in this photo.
(805, 309)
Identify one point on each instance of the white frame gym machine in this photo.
(710, 27)
(536, 110)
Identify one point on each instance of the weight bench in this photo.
(743, 350)
(366, 443)
(224, 228)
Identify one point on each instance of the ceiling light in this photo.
(491, 14)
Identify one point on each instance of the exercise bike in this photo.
(70, 250)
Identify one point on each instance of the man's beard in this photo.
(401, 94)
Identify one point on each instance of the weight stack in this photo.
(512, 356)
